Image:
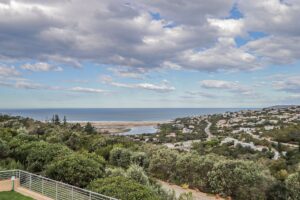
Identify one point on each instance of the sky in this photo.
(141, 53)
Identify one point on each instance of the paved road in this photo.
(207, 130)
(186, 145)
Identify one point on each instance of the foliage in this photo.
(293, 186)
(138, 174)
(10, 163)
(117, 171)
(140, 158)
(120, 157)
(59, 150)
(89, 129)
(277, 191)
(186, 196)
(76, 169)
(194, 170)
(4, 149)
(162, 163)
(122, 188)
(239, 179)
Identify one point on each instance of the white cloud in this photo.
(129, 72)
(223, 56)
(276, 49)
(197, 94)
(276, 17)
(86, 90)
(163, 87)
(107, 32)
(118, 33)
(234, 87)
(28, 85)
(228, 27)
(8, 71)
(41, 67)
(287, 83)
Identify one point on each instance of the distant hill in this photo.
(282, 106)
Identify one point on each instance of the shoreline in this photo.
(121, 123)
(117, 127)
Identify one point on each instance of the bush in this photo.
(140, 158)
(163, 163)
(193, 170)
(78, 169)
(120, 157)
(277, 191)
(122, 188)
(239, 179)
(118, 171)
(293, 186)
(4, 149)
(138, 174)
(42, 154)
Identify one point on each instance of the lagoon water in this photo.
(141, 130)
(115, 114)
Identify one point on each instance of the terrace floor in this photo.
(20, 192)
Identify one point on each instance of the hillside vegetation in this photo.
(125, 168)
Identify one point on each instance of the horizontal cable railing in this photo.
(51, 188)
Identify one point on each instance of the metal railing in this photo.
(50, 188)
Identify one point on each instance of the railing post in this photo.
(56, 192)
(72, 194)
(42, 185)
(30, 181)
(90, 196)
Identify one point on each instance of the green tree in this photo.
(39, 131)
(55, 119)
(138, 174)
(65, 120)
(293, 186)
(163, 163)
(120, 157)
(4, 149)
(42, 154)
(277, 191)
(193, 169)
(140, 158)
(78, 169)
(240, 179)
(89, 129)
(122, 188)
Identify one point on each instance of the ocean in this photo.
(115, 114)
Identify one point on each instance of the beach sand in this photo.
(118, 126)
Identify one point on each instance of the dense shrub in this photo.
(4, 149)
(140, 158)
(120, 157)
(293, 186)
(193, 170)
(163, 163)
(239, 179)
(78, 169)
(122, 188)
(138, 174)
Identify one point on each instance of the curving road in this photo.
(207, 130)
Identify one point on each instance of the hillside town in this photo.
(263, 130)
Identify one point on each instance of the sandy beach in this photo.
(119, 126)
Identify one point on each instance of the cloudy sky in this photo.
(141, 53)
